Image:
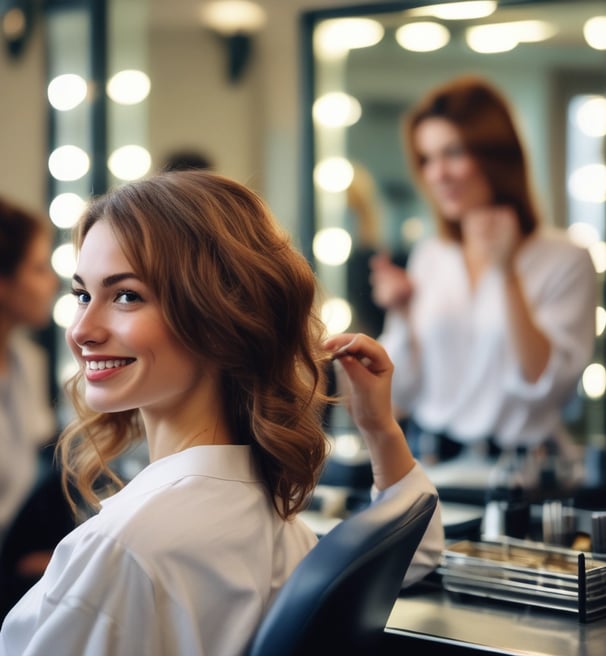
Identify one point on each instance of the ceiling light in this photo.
(458, 10)
(230, 17)
(424, 36)
(339, 35)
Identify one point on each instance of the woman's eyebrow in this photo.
(109, 281)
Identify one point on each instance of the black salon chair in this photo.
(338, 599)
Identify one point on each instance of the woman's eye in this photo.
(126, 296)
(81, 296)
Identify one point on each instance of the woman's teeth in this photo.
(104, 364)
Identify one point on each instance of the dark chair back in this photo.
(338, 599)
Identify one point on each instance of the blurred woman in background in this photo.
(33, 514)
(492, 322)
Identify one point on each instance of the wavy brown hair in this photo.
(486, 125)
(18, 229)
(233, 290)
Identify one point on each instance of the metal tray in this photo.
(527, 572)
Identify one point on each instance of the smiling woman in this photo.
(196, 330)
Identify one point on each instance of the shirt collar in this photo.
(227, 462)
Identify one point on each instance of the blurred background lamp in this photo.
(232, 16)
(488, 39)
(594, 32)
(412, 229)
(128, 87)
(583, 234)
(63, 260)
(597, 250)
(65, 209)
(458, 10)
(339, 35)
(333, 174)
(336, 315)
(64, 310)
(424, 36)
(337, 109)
(129, 162)
(588, 183)
(594, 380)
(235, 22)
(68, 163)
(600, 320)
(67, 91)
(591, 115)
(332, 246)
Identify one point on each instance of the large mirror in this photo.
(548, 58)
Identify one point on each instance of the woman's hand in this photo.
(492, 234)
(364, 373)
(391, 284)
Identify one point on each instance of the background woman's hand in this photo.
(493, 234)
(391, 285)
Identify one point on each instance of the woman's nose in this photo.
(88, 327)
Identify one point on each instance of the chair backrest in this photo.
(339, 597)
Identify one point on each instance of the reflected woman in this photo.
(492, 322)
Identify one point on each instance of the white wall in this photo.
(23, 124)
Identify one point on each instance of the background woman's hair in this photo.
(18, 228)
(485, 122)
(234, 291)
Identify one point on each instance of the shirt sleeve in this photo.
(428, 554)
(565, 311)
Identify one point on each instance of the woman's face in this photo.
(452, 177)
(118, 335)
(26, 297)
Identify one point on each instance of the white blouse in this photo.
(184, 560)
(26, 422)
(455, 366)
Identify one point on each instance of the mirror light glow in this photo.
(583, 234)
(594, 380)
(591, 116)
(594, 32)
(600, 320)
(337, 109)
(63, 260)
(128, 87)
(588, 183)
(65, 310)
(232, 16)
(424, 36)
(458, 10)
(66, 91)
(129, 162)
(333, 174)
(597, 251)
(332, 246)
(336, 36)
(336, 315)
(65, 209)
(68, 163)
(502, 37)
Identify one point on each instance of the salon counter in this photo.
(429, 620)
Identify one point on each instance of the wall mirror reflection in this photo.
(548, 59)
